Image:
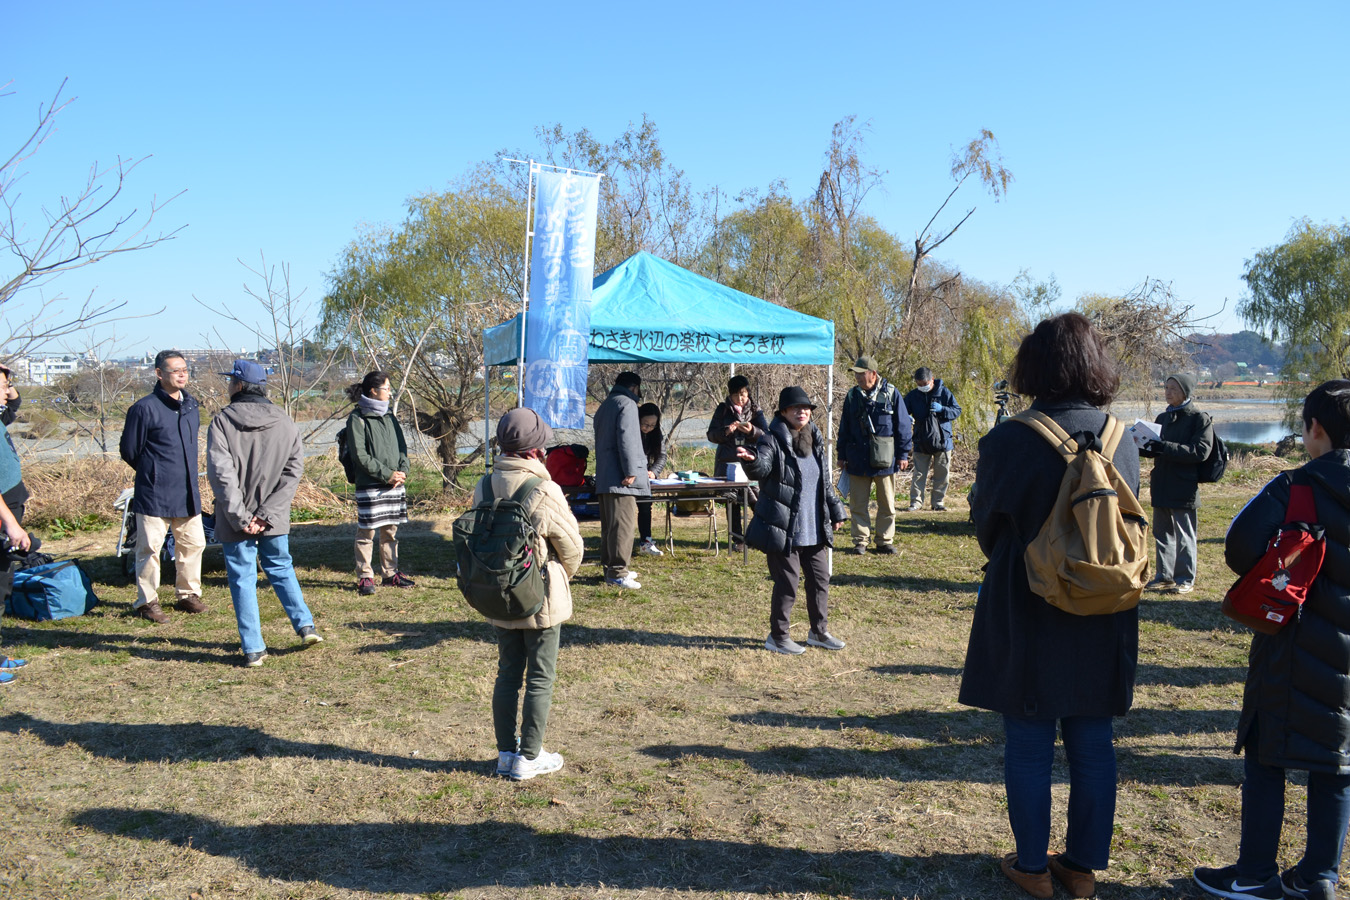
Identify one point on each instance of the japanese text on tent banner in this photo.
(558, 323)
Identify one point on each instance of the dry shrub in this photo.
(315, 498)
(72, 487)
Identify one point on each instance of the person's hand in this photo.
(904, 465)
(838, 525)
(650, 476)
(745, 453)
(935, 408)
(398, 478)
(257, 526)
(745, 427)
(629, 481)
(18, 538)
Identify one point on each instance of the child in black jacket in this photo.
(1295, 712)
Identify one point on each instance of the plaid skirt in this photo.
(380, 506)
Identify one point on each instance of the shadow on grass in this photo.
(1188, 615)
(1190, 676)
(906, 583)
(421, 635)
(433, 858)
(917, 670)
(964, 725)
(959, 762)
(145, 645)
(194, 741)
(924, 524)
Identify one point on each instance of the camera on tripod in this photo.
(1002, 395)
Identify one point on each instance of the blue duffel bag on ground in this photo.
(56, 590)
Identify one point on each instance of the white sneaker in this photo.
(627, 581)
(505, 760)
(824, 639)
(915, 507)
(523, 769)
(649, 548)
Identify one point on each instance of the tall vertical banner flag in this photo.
(558, 320)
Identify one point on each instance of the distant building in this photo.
(51, 368)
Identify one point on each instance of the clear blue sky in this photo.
(1167, 140)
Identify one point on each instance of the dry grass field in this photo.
(144, 761)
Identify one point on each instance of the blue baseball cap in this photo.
(247, 371)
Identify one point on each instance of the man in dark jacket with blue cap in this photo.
(159, 441)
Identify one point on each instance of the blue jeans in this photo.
(241, 568)
(1263, 814)
(1028, 754)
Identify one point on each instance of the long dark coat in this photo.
(776, 468)
(1187, 436)
(1025, 657)
(1298, 679)
(159, 441)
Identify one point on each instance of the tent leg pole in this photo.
(487, 419)
(829, 442)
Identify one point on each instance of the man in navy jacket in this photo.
(159, 441)
(934, 408)
(874, 443)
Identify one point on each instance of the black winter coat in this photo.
(724, 416)
(884, 414)
(1025, 657)
(920, 403)
(159, 441)
(1187, 436)
(1298, 679)
(776, 468)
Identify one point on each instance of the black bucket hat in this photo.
(792, 396)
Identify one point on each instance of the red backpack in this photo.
(1268, 597)
(566, 464)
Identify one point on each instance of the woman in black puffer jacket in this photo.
(1042, 668)
(1296, 702)
(795, 517)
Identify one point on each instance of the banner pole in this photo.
(525, 287)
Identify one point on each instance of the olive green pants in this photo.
(532, 654)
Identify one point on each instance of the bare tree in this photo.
(981, 158)
(99, 393)
(1147, 329)
(288, 327)
(79, 230)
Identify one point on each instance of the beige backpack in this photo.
(1091, 555)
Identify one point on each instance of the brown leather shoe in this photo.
(1037, 885)
(190, 604)
(1078, 884)
(152, 612)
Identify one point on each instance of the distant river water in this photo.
(1247, 421)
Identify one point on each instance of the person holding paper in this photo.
(1186, 436)
(737, 422)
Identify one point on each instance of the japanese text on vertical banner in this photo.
(558, 321)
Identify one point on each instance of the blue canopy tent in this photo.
(648, 310)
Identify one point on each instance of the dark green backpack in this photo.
(345, 456)
(495, 562)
